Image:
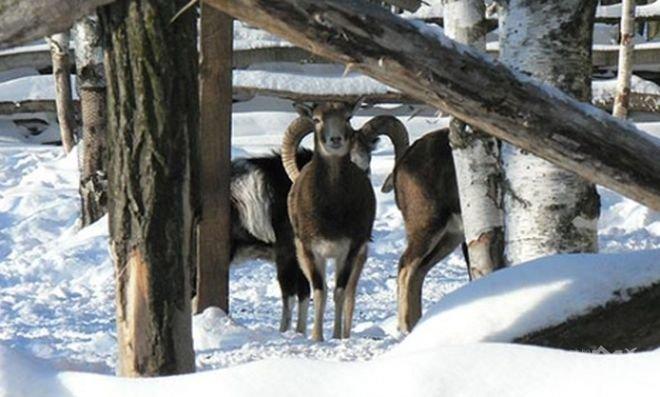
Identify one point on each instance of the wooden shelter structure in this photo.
(239, 62)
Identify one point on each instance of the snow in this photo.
(469, 370)
(309, 79)
(605, 90)
(31, 88)
(249, 38)
(642, 10)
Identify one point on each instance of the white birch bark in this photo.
(626, 47)
(92, 92)
(476, 156)
(59, 50)
(548, 210)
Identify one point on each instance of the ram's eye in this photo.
(316, 120)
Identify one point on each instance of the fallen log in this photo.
(622, 325)
(422, 63)
(24, 21)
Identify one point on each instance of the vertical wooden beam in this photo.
(59, 51)
(215, 160)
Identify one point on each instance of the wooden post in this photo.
(59, 50)
(215, 160)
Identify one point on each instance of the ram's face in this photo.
(332, 128)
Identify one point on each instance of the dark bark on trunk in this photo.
(213, 231)
(458, 80)
(630, 325)
(92, 92)
(151, 70)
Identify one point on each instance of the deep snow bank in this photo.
(516, 301)
(469, 370)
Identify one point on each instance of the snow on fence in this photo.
(432, 10)
(306, 82)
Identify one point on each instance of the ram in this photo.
(332, 204)
(426, 191)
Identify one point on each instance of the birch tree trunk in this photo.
(476, 156)
(59, 51)
(153, 108)
(626, 47)
(548, 210)
(92, 92)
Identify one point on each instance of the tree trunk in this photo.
(213, 231)
(465, 83)
(548, 210)
(626, 47)
(476, 156)
(623, 326)
(151, 70)
(59, 50)
(92, 92)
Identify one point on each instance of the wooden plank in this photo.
(29, 106)
(647, 56)
(37, 58)
(213, 230)
(639, 102)
(24, 21)
(460, 81)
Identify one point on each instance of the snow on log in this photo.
(23, 21)
(630, 323)
(572, 301)
(469, 85)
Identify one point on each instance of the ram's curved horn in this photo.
(398, 134)
(294, 134)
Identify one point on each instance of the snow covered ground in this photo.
(470, 370)
(57, 280)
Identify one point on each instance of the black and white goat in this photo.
(332, 204)
(260, 226)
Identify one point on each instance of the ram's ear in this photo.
(388, 185)
(358, 104)
(304, 109)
